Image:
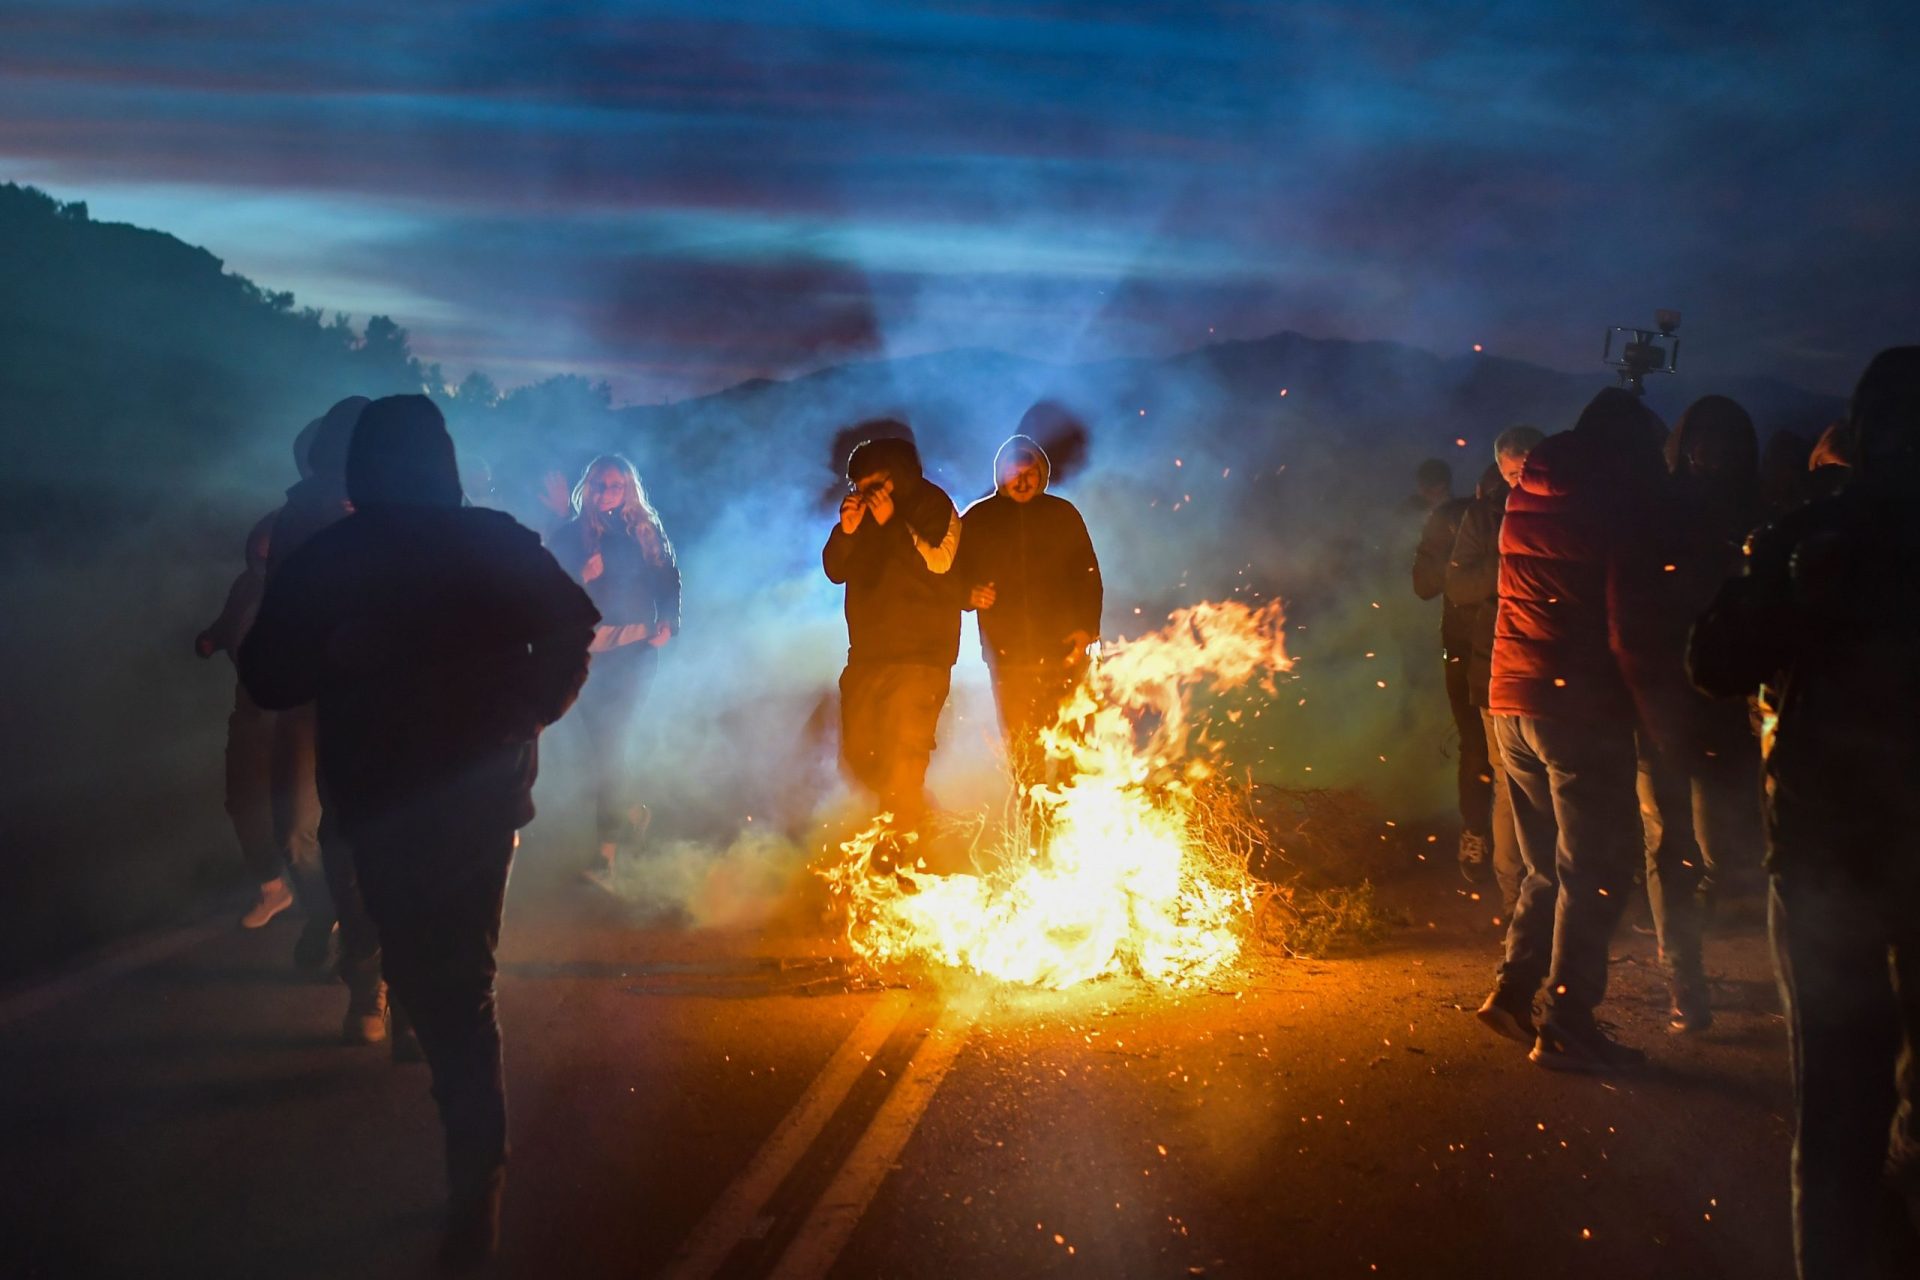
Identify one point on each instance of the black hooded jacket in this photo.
(1040, 559)
(1821, 623)
(436, 640)
(900, 607)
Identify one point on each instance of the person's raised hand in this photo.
(594, 567)
(852, 507)
(880, 502)
(556, 495)
(982, 596)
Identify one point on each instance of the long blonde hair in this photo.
(636, 515)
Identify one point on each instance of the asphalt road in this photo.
(701, 1103)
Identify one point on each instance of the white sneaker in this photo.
(275, 896)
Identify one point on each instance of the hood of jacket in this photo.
(1016, 448)
(401, 455)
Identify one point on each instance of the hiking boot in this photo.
(1688, 1012)
(366, 1020)
(401, 1040)
(473, 1228)
(1575, 1043)
(275, 896)
(1473, 857)
(1507, 1014)
(314, 949)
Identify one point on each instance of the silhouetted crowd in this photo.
(1682, 649)
(1662, 648)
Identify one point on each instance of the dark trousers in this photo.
(1473, 772)
(1028, 696)
(435, 887)
(360, 960)
(249, 791)
(889, 714)
(1849, 966)
(609, 707)
(1572, 788)
(1675, 867)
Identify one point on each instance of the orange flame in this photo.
(1123, 877)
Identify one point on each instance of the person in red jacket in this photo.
(1587, 653)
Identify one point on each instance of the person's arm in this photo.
(1430, 557)
(939, 556)
(224, 633)
(1473, 570)
(558, 621)
(281, 659)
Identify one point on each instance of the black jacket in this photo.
(632, 588)
(1430, 574)
(1473, 577)
(898, 608)
(1046, 577)
(1822, 623)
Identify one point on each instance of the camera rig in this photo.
(1641, 350)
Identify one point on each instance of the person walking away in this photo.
(892, 547)
(249, 753)
(1473, 586)
(1473, 772)
(615, 546)
(1821, 622)
(435, 642)
(1586, 653)
(1714, 454)
(1032, 578)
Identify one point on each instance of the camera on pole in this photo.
(1642, 351)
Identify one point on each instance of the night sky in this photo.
(675, 200)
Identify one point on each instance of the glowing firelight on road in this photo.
(1131, 873)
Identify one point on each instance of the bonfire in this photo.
(1117, 863)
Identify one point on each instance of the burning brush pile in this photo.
(1131, 859)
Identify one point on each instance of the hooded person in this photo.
(1586, 665)
(1714, 454)
(435, 642)
(250, 735)
(893, 547)
(1472, 581)
(1033, 581)
(316, 500)
(1820, 623)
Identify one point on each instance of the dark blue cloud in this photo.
(678, 199)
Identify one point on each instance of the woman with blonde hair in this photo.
(616, 547)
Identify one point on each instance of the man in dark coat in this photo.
(435, 642)
(1586, 653)
(1822, 624)
(893, 547)
(1473, 774)
(1473, 586)
(1029, 569)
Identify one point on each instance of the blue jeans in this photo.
(1572, 789)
